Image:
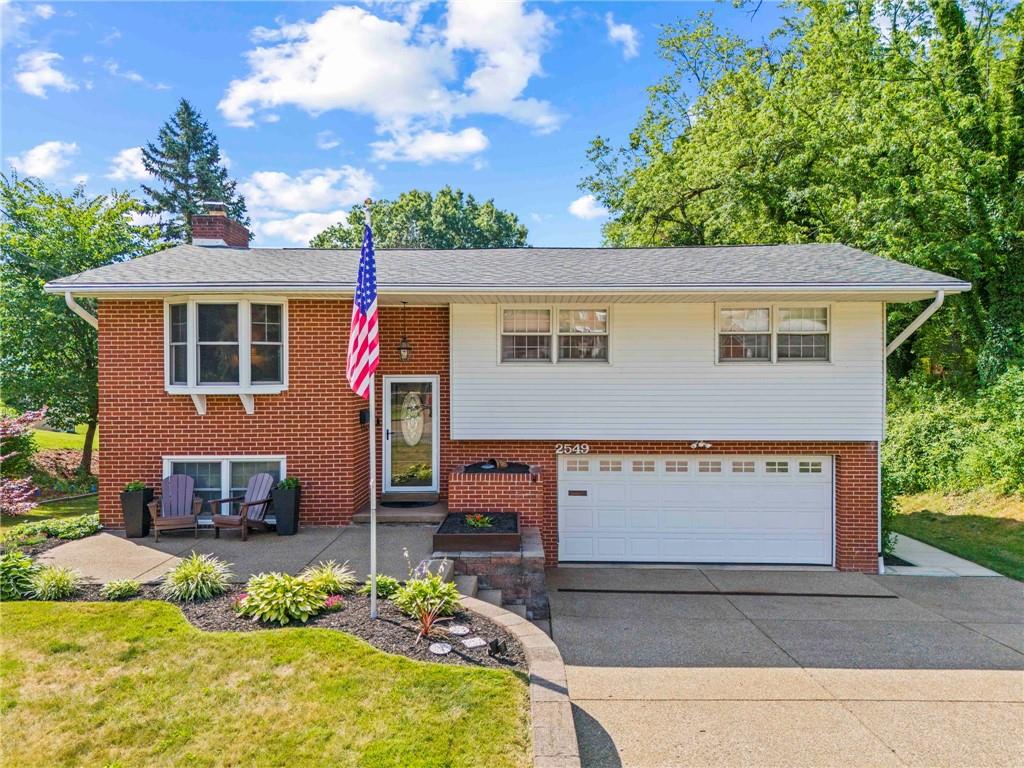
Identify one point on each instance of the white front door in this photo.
(699, 509)
(410, 413)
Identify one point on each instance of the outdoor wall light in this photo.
(404, 347)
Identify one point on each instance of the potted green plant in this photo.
(286, 506)
(134, 498)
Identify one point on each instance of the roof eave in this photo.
(100, 289)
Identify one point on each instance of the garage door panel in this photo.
(662, 514)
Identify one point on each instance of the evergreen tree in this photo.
(186, 160)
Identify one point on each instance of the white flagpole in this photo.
(373, 475)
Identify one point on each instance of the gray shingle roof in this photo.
(513, 269)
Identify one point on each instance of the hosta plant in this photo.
(197, 577)
(330, 578)
(16, 572)
(54, 582)
(386, 586)
(120, 589)
(280, 598)
(429, 592)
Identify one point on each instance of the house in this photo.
(700, 404)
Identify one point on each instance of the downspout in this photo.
(930, 310)
(79, 310)
(918, 321)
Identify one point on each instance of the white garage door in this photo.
(700, 509)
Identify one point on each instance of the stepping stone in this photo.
(440, 649)
(474, 642)
(459, 630)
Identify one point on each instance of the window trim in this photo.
(773, 315)
(225, 468)
(244, 385)
(554, 334)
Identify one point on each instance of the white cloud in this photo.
(142, 219)
(587, 207)
(15, 18)
(110, 37)
(43, 10)
(400, 71)
(81, 179)
(127, 165)
(299, 229)
(313, 190)
(225, 160)
(327, 140)
(430, 146)
(36, 73)
(114, 69)
(44, 160)
(623, 34)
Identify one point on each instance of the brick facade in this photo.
(315, 424)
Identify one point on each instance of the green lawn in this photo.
(135, 684)
(46, 439)
(70, 508)
(982, 527)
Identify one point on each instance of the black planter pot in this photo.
(286, 510)
(136, 515)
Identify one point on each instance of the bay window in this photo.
(226, 346)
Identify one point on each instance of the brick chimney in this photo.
(213, 228)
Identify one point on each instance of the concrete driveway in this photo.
(829, 669)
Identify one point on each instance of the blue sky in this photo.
(317, 105)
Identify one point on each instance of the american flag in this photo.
(363, 343)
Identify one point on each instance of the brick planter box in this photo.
(522, 492)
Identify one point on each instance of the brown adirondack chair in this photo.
(177, 507)
(252, 509)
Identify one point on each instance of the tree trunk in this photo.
(85, 468)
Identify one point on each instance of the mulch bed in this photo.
(62, 462)
(34, 550)
(503, 522)
(392, 632)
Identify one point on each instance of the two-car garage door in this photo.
(701, 509)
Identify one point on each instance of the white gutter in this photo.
(79, 310)
(918, 321)
(95, 289)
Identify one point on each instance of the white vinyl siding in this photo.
(663, 382)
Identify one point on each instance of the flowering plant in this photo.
(334, 603)
(239, 602)
(479, 521)
(17, 495)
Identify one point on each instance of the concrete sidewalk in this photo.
(108, 556)
(832, 669)
(927, 560)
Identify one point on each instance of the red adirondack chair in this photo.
(251, 511)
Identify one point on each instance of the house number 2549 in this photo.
(572, 448)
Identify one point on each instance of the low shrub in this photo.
(197, 577)
(289, 484)
(16, 572)
(66, 529)
(134, 485)
(386, 586)
(54, 582)
(330, 578)
(280, 598)
(429, 591)
(120, 589)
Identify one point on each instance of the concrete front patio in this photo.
(829, 669)
(107, 556)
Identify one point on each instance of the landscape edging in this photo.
(553, 731)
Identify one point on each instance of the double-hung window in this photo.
(745, 335)
(220, 345)
(554, 334)
(803, 333)
(773, 334)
